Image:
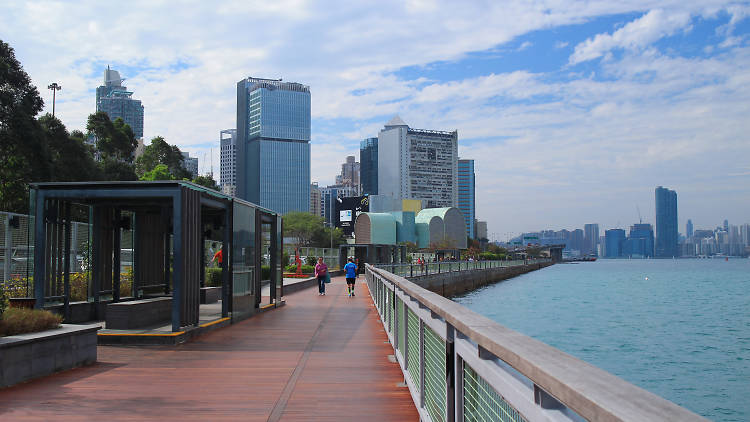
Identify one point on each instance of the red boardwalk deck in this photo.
(317, 358)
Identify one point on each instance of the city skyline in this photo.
(573, 114)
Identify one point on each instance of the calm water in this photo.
(678, 328)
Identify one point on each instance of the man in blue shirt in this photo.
(351, 276)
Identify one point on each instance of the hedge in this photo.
(21, 321)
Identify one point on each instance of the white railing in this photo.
(461, 366)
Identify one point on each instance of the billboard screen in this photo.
(347, 211)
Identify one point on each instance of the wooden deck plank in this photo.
(336, 344)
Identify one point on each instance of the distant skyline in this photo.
(573, 111)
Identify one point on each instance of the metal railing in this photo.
(461, 366)
(429, 268)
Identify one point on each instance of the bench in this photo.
(138, 313)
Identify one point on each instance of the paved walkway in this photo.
(319, 358)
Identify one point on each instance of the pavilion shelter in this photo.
(170, 222)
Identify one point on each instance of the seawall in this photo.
(458, 282)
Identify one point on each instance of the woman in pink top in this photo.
(321, 270)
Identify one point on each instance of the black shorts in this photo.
(350, 280)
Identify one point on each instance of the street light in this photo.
(54, 87)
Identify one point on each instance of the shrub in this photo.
(16, 287)
(306, 269)
(213, 277)
(265, 272)
(3, 303)
(311, 260)
(20, 321)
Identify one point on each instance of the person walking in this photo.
(321, 271)
(351, 276)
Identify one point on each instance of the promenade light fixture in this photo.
(54, 86)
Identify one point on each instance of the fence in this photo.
(461, 366)
(428, 268)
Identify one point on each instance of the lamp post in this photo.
(54, 87)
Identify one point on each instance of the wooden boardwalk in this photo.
(319, 358)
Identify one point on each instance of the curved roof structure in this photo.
(375, 228)
(451, 228)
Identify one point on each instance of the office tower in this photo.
(114, 99)
(467, 194)
(726, 225)
(666, 223)
(614, 240)
(228, 164)
(368, 158)
(576, 241)
(349, 174)
(640, 242)
(590, 239)
(418, 164)
(315, 200)
(273, 144)
(481, 230)
(689, 229)
(190, 163)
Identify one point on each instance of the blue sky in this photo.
(574, 111)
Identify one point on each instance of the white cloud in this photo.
(637, 34)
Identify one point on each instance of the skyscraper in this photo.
(315, 200)
(273, 144)
(349, 174)
(228, 157)
(467, 194)
(689, 229)
(114, 99)
(590, 239)
(666, 223)
(640, 242)
(614, 240)
(418, 164)
(368, 170)
(190, 163)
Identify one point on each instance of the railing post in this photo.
(450, 373)
(438, 267)
(411, 270)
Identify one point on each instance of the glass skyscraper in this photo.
(114, 99)
(273, 144)
(467, 194)
(614, 240)
(368, 166)
(666, 223)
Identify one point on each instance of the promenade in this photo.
(315, 359)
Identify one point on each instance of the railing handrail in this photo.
(590, 391)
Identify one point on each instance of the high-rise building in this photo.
(640, 242)
(467, 194)
(481, 230)
(590, 239)
(114, 99)
(190, 163)
(575, 241)
(689, 229)
(228, 158)
(368, 158)
(614, 240)
(418, 164)
(349, 174)
(273, 144)
(315, 200)
(666, 223)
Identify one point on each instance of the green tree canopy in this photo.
(23, 156)
(114, 140)
(160, 152)
(71, 159)
(207, 181)
(160, 172)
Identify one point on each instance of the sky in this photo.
(574, 111)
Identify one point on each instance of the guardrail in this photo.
(461, 366)
(429, 268)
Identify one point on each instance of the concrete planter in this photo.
(22, 302)
(27, 356)
(210, 294)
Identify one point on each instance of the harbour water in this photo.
(678, 328)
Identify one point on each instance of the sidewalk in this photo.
(318, 358)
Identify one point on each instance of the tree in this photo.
(160, 152)
(160, 172)
(323, 238)
(71, 159)
(303, 226)
(207, 181)
(114, 140)
(23, 156)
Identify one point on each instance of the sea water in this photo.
(678, 328)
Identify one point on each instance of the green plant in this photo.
(3, 303)
(213, 277)
(20, 321)
(306, 269)
(15, 287)
(311, 260)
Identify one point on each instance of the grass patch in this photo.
(21, 321)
